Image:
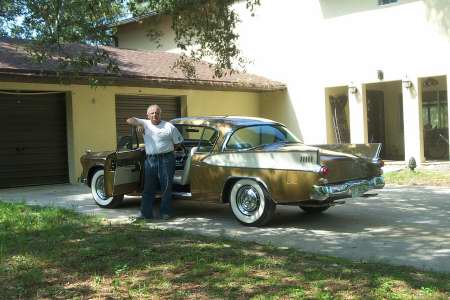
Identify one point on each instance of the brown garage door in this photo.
(33, 143)
(136, 106)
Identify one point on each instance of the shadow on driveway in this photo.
(401, 225)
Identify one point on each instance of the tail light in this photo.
(324, 171)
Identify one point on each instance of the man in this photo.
(160, 139)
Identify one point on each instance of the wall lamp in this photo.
(407, 83)
(352, 88)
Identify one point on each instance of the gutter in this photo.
(135, 80)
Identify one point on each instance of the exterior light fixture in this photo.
(352, 88)
(380, 74)
(407, 83)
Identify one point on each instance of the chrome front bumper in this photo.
(353, 188)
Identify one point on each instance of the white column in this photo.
(412, 120)
(357, 105)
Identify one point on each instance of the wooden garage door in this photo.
(136, 106)
(33, 144)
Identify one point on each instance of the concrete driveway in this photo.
(401, 225)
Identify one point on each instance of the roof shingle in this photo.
(146, 67)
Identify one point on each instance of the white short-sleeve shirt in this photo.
(160, 138)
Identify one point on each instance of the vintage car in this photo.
(252, 164)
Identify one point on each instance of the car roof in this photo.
(223, 121)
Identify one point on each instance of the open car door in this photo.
(124, 168)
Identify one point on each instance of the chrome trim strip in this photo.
(182, 194)
(285, 160)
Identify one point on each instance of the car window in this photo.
(208, 140)
(254, 136)
(124, 142)
(198, 136)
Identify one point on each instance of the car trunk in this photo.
(344, 161)
(344, 167)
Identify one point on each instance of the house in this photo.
(356, 71)
(46, 125)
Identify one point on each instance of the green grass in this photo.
(53, 253)
(418, 177)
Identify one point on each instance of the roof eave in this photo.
(140, 81)
(133, 19)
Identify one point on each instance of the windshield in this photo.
(260, 135)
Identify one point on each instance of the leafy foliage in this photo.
(50, 25)
(203, 29)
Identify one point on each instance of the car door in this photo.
(124, 168)
(206, 181)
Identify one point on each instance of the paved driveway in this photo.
(402, 225)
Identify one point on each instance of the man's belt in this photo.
(158, 155)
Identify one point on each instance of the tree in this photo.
(203, 28)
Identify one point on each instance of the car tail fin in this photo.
(367, 151)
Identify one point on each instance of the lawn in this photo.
(54, 253)
(418, 177)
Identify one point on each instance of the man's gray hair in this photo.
(156, 106)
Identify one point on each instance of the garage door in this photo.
(136, 106)
(33, 143)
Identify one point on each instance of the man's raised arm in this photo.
(133, 121)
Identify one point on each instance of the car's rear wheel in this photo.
(250, 203)
(314, 209)
(98, 191)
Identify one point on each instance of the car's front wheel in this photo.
(314, 209)
(251, 203)
(98, 191)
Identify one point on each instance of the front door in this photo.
(375, 117)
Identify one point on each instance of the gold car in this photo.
(252, 164)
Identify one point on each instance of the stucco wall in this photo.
(136, 35)
(313, 45)
(91, 112)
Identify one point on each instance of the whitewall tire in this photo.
(98, 191)
(250, 203)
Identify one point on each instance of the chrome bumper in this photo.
(353, 188)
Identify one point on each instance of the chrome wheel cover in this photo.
(248, 200)
(100, 187)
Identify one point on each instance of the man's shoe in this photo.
(141, 218)
(165, 217)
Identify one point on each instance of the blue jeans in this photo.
(158, 172)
